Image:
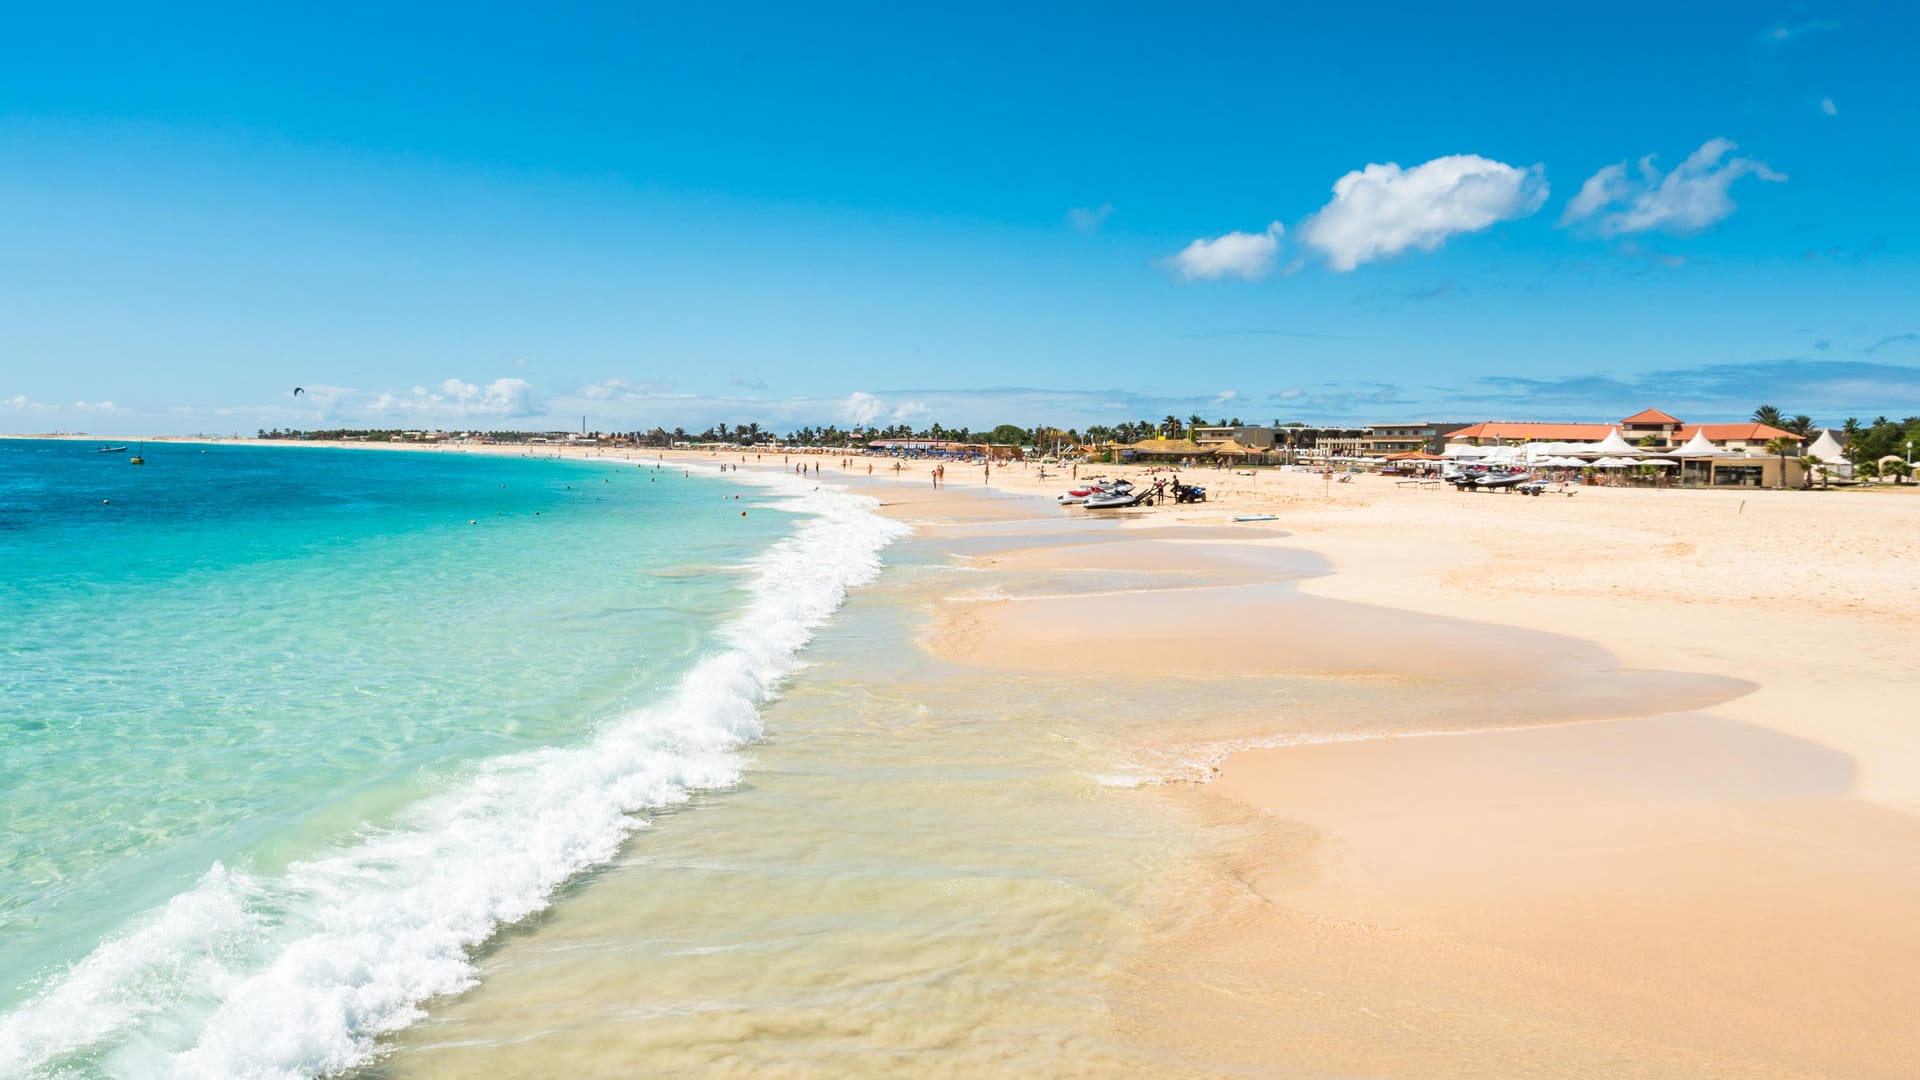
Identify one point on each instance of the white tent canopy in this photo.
(1826, 447)
(1697, 447)
(1832, 455)
(1613, 445)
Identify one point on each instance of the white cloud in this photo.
(20, 402)
(861, 408)
(1225, 396)
(1784, 32)
(1827, 106)
(1686, 200)
(621, 390)
(1237, 254)
(454, 398)
(96, 406)
(1382, 210)
(909, 411)
(1089, 220)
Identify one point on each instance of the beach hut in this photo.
(1232, 452)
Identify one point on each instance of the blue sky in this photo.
(498, 217)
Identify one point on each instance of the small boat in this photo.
(112, 450)
(1256, 517)
(136, 459)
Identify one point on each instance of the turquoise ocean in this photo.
(288, 733)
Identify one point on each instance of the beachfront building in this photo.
(1738, 438)
(1517, 433)
(1663, 428)
(1253, 437)
(1652, 428)
(1409, 437)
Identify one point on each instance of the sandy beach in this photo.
(1632, 793)
(1704, 865)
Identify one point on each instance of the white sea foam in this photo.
(300, 974)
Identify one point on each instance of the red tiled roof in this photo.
(1651, 416)
(1744, 432)
(1495, 429)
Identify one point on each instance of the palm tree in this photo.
(1801, 425)
(1807, 465)
(1195, 421)
(1768, 415)
(1170, 427)
(1780, 446)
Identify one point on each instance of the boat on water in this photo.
(111, 450)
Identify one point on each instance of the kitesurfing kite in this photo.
(298, 390)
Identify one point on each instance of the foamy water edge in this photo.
(300, 975)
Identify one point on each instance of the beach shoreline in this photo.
(1670, 830)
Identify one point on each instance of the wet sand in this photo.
(1666, 889)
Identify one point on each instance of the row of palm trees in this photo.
(1865, 445)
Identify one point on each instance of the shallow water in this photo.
(928, 868)
(291, 731)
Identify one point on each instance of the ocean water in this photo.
(287, 735)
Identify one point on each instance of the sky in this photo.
(483, 216)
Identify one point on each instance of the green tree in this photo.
(1770, 416)
(1801, 425)
(1007, 435)
(1170, 427)
(1779, 446)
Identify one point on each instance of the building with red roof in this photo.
(1667, 432)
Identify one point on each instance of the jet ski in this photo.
(1093, 488)
(1503, 479)
(1116, 499)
